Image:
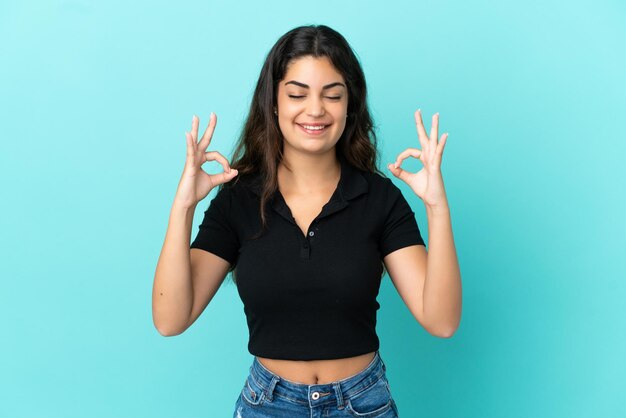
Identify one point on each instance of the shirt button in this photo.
(315, 395)
(311, 233)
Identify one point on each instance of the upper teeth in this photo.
(313, 128)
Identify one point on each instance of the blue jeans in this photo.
(365, 394)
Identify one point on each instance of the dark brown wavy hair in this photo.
(259, 148)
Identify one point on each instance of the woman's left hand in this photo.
(428, 182)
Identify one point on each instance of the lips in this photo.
(313, 132)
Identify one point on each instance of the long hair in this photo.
(259, 148)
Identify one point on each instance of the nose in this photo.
(315, 107)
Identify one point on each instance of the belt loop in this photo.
(338, 394)
(270, 389)
(381, 361)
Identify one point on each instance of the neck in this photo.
(309, 172)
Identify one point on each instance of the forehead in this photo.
(313, 71)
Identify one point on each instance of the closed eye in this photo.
(299, 97)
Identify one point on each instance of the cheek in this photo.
(340, 121)
(284, 126)
(289, 112)
(288, 129)
(339, 129)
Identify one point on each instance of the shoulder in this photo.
(242, 190)
(379, 184)
(385, 197)
(241, 182)
(375, 178)
(223, 194)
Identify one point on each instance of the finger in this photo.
(219, 178)
(442, 144)
(190, 147)
(216, 156)
(434, 130)
(409, 152)
(399, 172)
(208, 134)
(421, 132)
(194, 127)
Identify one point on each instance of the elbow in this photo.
(168, 331)
(444, 329)
(448, 333)
(167, 325)
(443, 332)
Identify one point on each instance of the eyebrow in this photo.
(327, 86)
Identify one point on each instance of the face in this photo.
(312, 105)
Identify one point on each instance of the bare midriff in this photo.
(317, 372)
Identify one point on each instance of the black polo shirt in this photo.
(310, 296)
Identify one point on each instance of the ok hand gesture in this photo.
(195, 184)
(428, 182)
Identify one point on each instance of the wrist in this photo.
(438, 209)
(180, 206)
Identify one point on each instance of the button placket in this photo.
(305, 250)
(313, 228)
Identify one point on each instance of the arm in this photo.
(186, 279)
(429, 282)
(172, 292)
(442, 287)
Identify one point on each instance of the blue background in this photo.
(94, 102)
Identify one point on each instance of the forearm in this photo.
(442, 288)
(172, 293)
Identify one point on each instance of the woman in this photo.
(310, 224)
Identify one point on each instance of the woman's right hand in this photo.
(195, 184)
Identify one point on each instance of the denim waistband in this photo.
(318, 394)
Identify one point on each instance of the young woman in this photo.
(307, 224)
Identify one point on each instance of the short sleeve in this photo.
(216, 233)
(400, 227)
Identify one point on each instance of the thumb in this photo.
(229, 176)
(223, 177)
(398, 172)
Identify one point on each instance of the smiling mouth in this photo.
(313, 129)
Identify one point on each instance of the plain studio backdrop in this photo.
(95, 98)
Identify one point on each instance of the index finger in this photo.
(409, 152)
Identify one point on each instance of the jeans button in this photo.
(315, 395)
